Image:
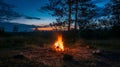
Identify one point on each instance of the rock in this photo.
(97, 51)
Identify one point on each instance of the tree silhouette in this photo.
(107, 10)
(6, 12)
(116, 11)
(2, 30)
(61, 9)
(86, 12)
(116, 17)
(15, 28)
(76, 14)
(81, 10)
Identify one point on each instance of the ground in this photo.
(33, 50)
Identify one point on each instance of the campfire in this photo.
(58, 45)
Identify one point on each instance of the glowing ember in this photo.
(59, 44)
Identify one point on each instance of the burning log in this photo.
(58, 46)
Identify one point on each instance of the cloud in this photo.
(29, 17)
(23, 20)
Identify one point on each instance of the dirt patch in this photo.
(50, 57)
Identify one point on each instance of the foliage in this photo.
(71, 11)
(116, 11)
(6, 11)
(86, 13)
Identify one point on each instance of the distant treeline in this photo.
(114, 32)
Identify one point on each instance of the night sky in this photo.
(30, 8)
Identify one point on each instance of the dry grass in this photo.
(13, 45)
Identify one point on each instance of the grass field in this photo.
(106, 44)
(12, 45)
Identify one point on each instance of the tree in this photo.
(107, 10)
(62, 9)
(116, 11)
(86, 12)
(116, 17)
(58, 26)
(2, 30)
(15, 28)
(76, 14)
(69, 3)
(6, 12)
(81, 10)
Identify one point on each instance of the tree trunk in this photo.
(76, 15)
(69, 15)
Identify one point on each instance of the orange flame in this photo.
(59, 44)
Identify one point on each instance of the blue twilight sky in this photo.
(30, 8)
